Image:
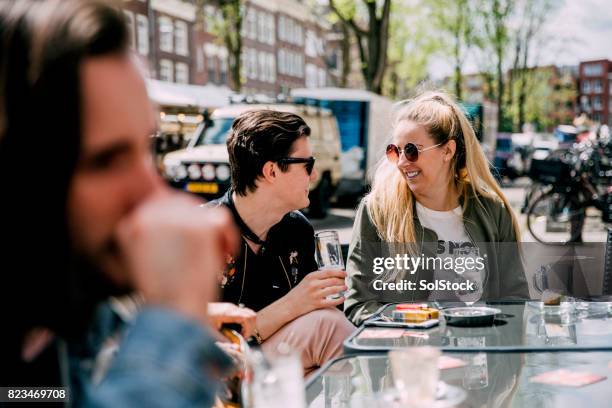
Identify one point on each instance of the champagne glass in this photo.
(472, 280)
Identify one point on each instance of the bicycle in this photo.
(567, 184)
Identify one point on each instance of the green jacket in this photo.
(489, 227)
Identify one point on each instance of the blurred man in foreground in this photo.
(85, 216)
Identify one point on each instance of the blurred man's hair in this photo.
(43, 46)
(257, 137)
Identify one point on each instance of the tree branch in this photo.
(349, 22)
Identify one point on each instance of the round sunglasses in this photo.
(411, 151)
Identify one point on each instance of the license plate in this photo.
(203, 188)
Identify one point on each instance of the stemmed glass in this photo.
(475, 279)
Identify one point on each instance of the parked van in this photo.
(364, 120)
(203, 167)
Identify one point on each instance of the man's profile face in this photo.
(293, 185)
(115, 171)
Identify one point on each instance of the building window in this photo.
(261, 27)
(311, 76)
(272, 67)
(223, 71)
(211, 52)
(293, 64)
(596, 117)
(586, 86)
(300, 65)
(300, 35)
(252, 63)
(290, 31)
(165, 34)
(261, 59)
(597, 86)
(181, 39)
(593, 70)
(271, 30)
(281, 28)
(311, 44)
(129, 18)
(166, 70)
(212, 69)
(182, 73)
(597, 102)
(585, 103)
(252, 23)
(281, 61)
(322, 78)
(199, 60)
(142, 23)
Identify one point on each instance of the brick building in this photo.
(284, 45)
(595, 92)
(162, 32)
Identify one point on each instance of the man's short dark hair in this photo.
(257, 137)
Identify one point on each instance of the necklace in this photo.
(286, 274)
(246, 254)
(244, 228)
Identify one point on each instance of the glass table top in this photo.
(485, 379)
(520, 327)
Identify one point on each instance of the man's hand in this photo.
(310, 294)
(220, 313)
(174, 251)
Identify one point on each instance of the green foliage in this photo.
(411, 47)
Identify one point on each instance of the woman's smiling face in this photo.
(432, 168)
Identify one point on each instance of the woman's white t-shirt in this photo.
(453, 241)
(448, 225)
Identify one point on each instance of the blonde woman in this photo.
(433, 197)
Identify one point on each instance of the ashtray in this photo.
(470, 316)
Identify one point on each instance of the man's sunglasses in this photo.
(411, 151)
(309, 161)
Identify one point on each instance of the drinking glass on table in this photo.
(416, 374)
(473, 278)
(328, 253)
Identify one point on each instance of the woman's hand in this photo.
(222, 312)
(310, 294)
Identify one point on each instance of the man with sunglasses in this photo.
(275, 273)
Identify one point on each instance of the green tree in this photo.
(372, 40)
(495, 17)
(410, 49)
(532, 19)
(228, 28)
(454, 21)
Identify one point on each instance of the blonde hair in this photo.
(390, 203)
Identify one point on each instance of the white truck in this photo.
(364, 121)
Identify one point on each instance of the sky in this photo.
(580, 30)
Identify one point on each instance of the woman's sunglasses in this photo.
(411, 151)
(309, 161)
